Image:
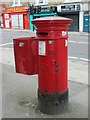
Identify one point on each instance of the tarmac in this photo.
(19, 92)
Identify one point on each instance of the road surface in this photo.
(78, 43)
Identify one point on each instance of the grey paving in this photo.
(20, 97)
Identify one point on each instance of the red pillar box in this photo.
(25, 51)
(52, 35)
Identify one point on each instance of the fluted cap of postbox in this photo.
(52, 20)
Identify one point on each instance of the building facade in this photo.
(16, 18)
(74, 9)
(2, 10)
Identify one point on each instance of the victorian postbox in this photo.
(25, 52)
(52, 37)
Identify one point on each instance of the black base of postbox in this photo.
(52, 103)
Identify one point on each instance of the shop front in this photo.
(86, 21)
(41, 12)
(2, 10)
(70, 11)
(16, 18)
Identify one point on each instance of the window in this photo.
(69, 1)
(16, 2)
(41, 2)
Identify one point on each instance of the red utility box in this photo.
(52, 36)
(25, 51)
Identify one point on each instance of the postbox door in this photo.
(25, 51)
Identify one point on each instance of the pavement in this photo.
(19, 92)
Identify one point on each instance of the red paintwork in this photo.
(16, 9)
(51, 20)
(9, 10)
(53, 76)
(1, 5)
(25, 55)
(10, 21)
(15, 13)
(25, 21)
(3, 21)
(6, 19)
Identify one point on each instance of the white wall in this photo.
(85, 6)
(81, 21)
(71, 1)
